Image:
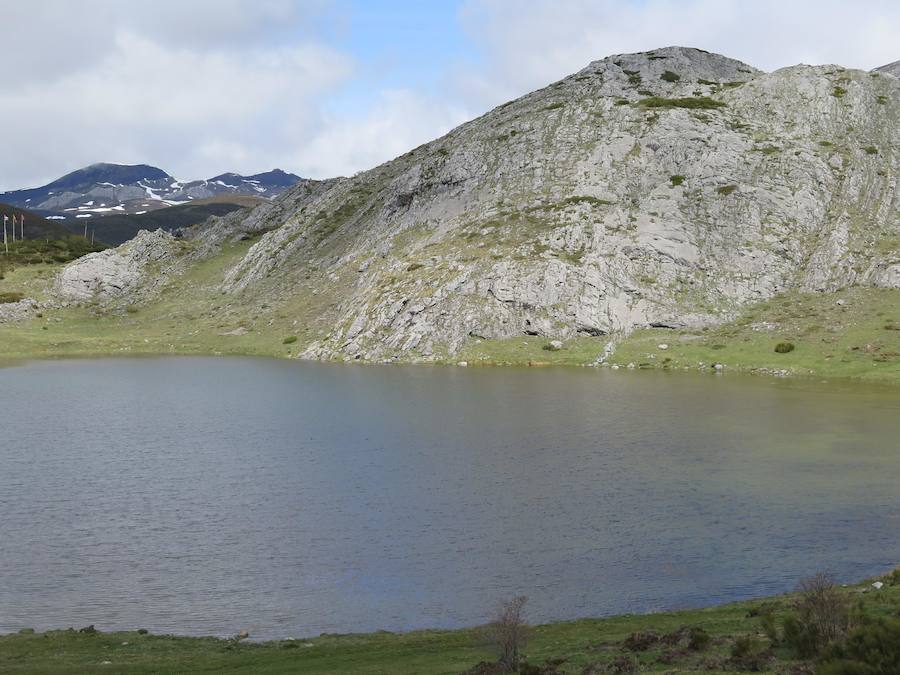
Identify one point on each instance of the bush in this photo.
(701, 102)
(838, 92)
(669, 76)
(699, 640)
(871, 150)
(10, 297)
(726, 189)
(289, 340)
(676, 180)
(784, 347)
(872, 649)
(508, 633)
(742, 647)
(822, 616)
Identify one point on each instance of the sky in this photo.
(332, 87)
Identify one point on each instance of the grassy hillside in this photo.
(742, 637)
(115, 229)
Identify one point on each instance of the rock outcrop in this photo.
(136, 266)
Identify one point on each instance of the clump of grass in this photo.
(695, 102)
(871, 150)
(838, 92)
(726, 189)
(634, 77)
(669, 76)
(676, 180)
(289, 340)
(584, 199)
(784, 347)
(414, 266)
(11, 296)
(882, 100)
(555, 106)
(622, 101)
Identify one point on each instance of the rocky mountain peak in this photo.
(890, 69)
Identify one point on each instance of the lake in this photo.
(205, 496)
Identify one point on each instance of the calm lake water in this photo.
(206, 496)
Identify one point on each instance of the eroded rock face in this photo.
(138, 264)
(667, 188)
(890, 69)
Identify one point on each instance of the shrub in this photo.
(508, 632)
(10, 297)
(742, 647)
(701, 102)
(726, 189)
(882, 100)
(699, 640)
(871, 150)
(822, 616)
(872, 649)
(289, 340)
(838, 92)
(784, 347)
(669, 76)
(769, 627)
(676, 180)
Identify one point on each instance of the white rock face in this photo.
(118, 271)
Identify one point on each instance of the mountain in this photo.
(890, 69)
(101, 189)
(671, 188)
(117, 228)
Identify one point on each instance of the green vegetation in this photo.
(882, 100)
(555, 106)
(584, 199)
(676, 180)
(634, 77)
(871, 150)
(669, 76)
(784, 347)
(744, 636)
(44, 252)
(289, 340)
(838, 92)
(851, 334)
(726, 189)
(696, 102)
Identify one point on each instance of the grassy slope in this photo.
(857, 338)
(578, 643)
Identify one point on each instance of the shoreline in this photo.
(573, 646)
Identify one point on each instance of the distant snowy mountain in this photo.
(102, 189)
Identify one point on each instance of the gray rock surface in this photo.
(139, 265)
(890, 68)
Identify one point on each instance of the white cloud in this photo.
(528, 45)
(398, 121)
(209, 86)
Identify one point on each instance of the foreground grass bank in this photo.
(853, 334)
(739, 637)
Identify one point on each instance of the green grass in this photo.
(573, 645)
(695, 102)
(859, 339)
(676, 180)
